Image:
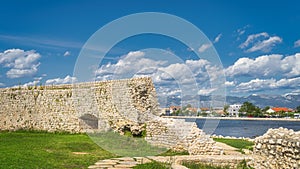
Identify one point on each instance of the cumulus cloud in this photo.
(21, 63)
(67, 53)
(206, 92)
(217, 39)
(266, 66)
(268, 84)
(229, 83)
(297, 43)
(32, 83)
(260, 42)
(204, 47)
(131, 64)
(188, 73)
(68, 79)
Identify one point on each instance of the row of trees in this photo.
(250, 110)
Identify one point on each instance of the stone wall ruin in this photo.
(79, 107)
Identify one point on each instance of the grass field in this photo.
(32, 149)
(126, 145)
(24, 149)
(237, 143)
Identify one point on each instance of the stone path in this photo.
(175, 161)
(119, 163)
(230, 156)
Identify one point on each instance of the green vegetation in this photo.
(237, 143)
(126, 145)
(32, 149)
(153, 165)
(298, 109)
(251, 110)
(173, 153)
(193, 165)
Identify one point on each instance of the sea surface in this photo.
(242, 128)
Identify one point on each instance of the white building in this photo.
(233, 110)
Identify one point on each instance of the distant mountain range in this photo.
(260, 100)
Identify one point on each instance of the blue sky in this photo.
(258, 42)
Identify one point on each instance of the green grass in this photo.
(23, 149)
(237, 143)
(173, 153)
(193, 165)
(126, 145)
(153, 165)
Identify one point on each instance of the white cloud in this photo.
(129, 65)
(21, 63)
(68, 79)
(217, 39)
(204, 47)
(266, 66)
(297, 43)
(67, 53)
(251, 39)
(260, 42)
(205, 92)
(229, 84)
(255, 85)
(2, 84)
(260, 66)
(265, 45)
(166, 73)
(242, 30)
(294, 92)
(33, 83)
(268, 84)
(290, 65)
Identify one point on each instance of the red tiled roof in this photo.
(175, 107)
(284, 109)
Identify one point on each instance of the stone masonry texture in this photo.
(79, 107)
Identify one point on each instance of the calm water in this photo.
(245, 128)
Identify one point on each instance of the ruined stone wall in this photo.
(180, 135)
(79, 107)
(278, 148)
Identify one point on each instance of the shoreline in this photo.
(232, 118)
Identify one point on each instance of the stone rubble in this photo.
(180, 135)
(278, 148)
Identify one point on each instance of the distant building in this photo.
(192, 109)
(233, 110)
(173, 109)
(279, 109)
